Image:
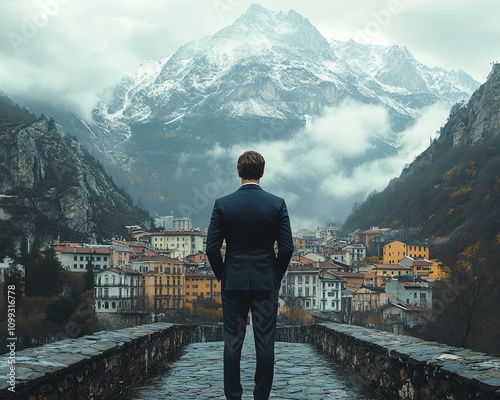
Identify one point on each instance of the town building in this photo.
(330, 292)
(299, 245)
(365, 237)
(4, 266)
(198, 258)
(163, 283)
(354, 253)
(121, 253)
(408, 292)
(421, 267)
(367, 299)
(118, 291)
(299, 287)
(400, 315)
(396, 250)
(171, 223)
(185, 242)
(205, 286)
(74, 257)
(389, 270)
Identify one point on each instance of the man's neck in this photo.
(245, 181)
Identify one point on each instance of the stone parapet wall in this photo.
(103, 365)
(403, 367)
(115, 321)
(98, 366)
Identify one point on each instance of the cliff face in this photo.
(50, 186)
(480, 118)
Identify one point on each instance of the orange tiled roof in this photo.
(158, 258)
(84, 250)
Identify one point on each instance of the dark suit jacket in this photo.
(251, 220)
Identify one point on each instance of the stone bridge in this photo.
(104, 365)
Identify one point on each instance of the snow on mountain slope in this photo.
(397, 70)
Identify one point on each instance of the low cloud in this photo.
(324, 169)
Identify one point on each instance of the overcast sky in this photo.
(70, 50)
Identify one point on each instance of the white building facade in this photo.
(300, 287)
(117, 290)
(330, 292)
(76, 258)
(417, 294)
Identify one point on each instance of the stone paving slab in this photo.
(301, 372)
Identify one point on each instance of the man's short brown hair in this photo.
(251, 165)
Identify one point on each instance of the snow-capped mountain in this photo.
(273, 65)
(266, 68)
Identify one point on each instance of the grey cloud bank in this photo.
(72, 51)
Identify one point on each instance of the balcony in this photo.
(111, 297)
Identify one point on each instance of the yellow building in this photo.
(396, 250)
(366, 299)
(299, 244)
(164, 282)
(388, 270)
(437, 271)
(198, 284)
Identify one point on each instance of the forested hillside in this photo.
(450, 198)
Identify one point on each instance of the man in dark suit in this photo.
(251, 221)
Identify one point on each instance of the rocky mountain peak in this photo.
(479, 119)
(280, 28)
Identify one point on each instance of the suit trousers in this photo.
(264, 306)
